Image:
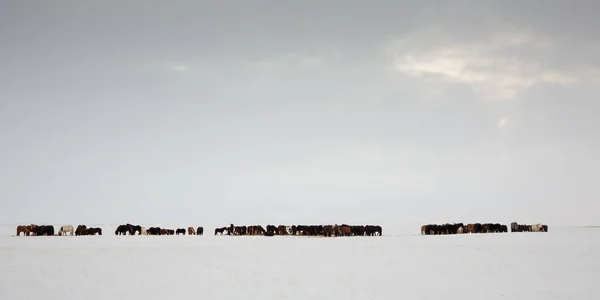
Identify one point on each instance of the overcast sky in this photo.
(285, 112)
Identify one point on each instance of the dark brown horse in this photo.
(44, 230)
(81, 230)
(256, 230)
(281, 230)
(154, 231)
(271, 229)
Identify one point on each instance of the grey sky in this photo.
(280, 112)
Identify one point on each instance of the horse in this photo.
(220, 230)
(343, 230)
(514, 227)
(191, 231)
(328, 230)
(124, 229)
(81, 230)
(143, 231)
(66, 229)
(290, 230)
(255, 230)
(378, 230)
(180, 231)
(281, 230)
(26, 230)
(200, 230)
(358, 230)
(154, 231)
(271, 229)
(94, 231)
(370, 230)
(134, 229)
(44, 230)
(470, 228)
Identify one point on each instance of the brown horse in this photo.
(25, 229)
(343, 230)
(256, 230)
(191, 231)
(281, 230)
(471, 228)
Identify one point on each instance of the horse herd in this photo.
(515, 227)
(304, 230)
(459, 228)
(40, 230)
(271, 230)
(133, 229)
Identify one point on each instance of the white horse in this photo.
(144, 231)
(537, 228)
(67, 228)
(460, 230)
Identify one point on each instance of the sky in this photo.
(299, 112)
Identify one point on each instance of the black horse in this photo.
(154, 231)
(124, 229)
(200, 231)
(136, 228)
(94, 231)
(44, 230)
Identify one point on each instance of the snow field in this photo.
(560, 264)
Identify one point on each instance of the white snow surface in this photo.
(561, 264)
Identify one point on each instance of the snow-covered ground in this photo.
(561, 264)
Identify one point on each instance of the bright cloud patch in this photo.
(493, 67)
(502, 122)
(178, 67)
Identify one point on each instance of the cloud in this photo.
(497, 67)
(178, 67)
(502, 123)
